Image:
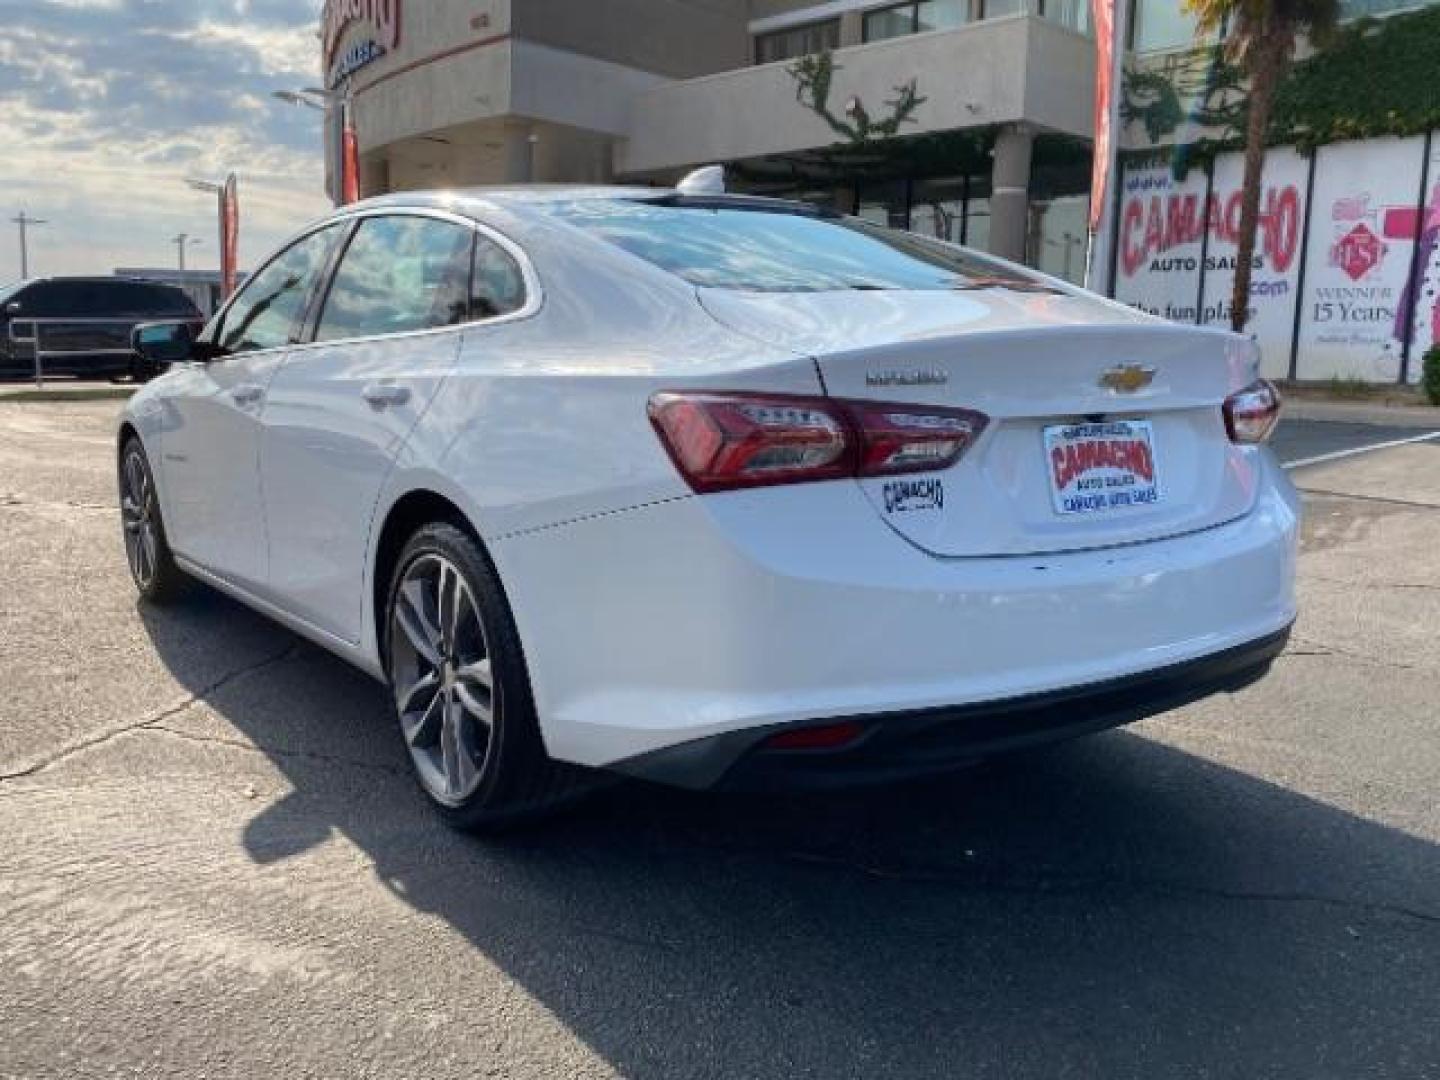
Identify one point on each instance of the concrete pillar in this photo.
(1010, 191)
(519, 154)
(374, 175)
(852, 28)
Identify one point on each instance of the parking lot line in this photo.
(1336, 455)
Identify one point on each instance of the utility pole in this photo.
(181, 242)
(25, 221)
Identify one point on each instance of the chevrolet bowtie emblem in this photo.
(1127, 378)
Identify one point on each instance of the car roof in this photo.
(520, 198)
(101, 279)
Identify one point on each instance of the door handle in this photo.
(247, 393)
(383, 395)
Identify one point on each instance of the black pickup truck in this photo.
(92, 340)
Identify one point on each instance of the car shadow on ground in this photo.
(1111, 907)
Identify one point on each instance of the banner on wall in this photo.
(1163, 232)
(1363, 227)
(1426, 286)
(1162, 222)
(1275, 269)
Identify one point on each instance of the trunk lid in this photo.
(1033, 363)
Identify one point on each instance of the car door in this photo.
(210, 454)
(337, 414)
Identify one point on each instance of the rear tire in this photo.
(461, 691)
(152, 564)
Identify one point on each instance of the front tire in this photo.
(461, 690)
(152, 564)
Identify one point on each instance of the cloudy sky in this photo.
(107, 105)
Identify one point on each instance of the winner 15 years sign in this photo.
(1362, 240)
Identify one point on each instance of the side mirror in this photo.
(160, 344)
(13, 308)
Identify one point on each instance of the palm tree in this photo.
(1260, 36)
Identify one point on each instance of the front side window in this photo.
(266, 312)
(779, 248)
(399, 274)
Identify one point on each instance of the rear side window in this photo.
(730, 245)
(399, 274)
(266, 312)
(142, 298)
(497, 287)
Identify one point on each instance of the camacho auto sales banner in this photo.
(1362, 234)
(1163, 231)
(1157, 265)
(1275, 270)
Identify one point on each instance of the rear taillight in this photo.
(912, 438)
(724, 440)
(824, 737)
(1251, 414)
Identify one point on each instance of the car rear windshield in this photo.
(727, 244)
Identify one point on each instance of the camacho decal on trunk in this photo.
(903, 496)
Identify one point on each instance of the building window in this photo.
(797, 41)
(915, 18)
(1058, 236)
(890, 22)
(941, 14)
(1358, 9)
(1156, 25)
(1072, 13)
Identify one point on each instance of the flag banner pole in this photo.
(1108, 19)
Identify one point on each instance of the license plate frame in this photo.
(1102, 467)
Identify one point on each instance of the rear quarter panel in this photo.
(544, 419)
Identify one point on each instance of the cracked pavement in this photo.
(214, 862)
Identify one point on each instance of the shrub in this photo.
(1430, 375)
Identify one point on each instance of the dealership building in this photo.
(995, 153)
(987, 106)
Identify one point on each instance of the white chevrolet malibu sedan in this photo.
(713, 490)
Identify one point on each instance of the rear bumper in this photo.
(703, 618)
(895, 746)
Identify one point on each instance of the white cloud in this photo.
(112, 103)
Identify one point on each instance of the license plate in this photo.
(1101, 467)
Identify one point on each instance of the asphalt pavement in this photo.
(214, 862)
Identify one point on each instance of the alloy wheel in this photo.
(137, 515)
(440, 670)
